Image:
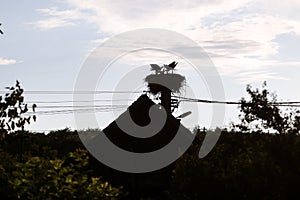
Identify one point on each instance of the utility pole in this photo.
(165, 82)
(166, 99)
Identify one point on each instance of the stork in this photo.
(156, 68)
(170, 66)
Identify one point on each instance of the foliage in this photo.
(262, 112)
(241, 166)
(59, 179)
(12, 110)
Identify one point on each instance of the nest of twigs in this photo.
(159, 82)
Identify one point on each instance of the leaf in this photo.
(25, 109)
(13, 125)
(28, 120)
(21, 99)
(18, 124)
(69, 179)
(33, 107)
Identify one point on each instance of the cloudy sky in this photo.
(45, 43)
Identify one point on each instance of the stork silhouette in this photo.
(156, 68)
(170, 66)
(173, 64)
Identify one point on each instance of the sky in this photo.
(46, 43)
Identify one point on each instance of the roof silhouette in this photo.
(139, 113)
(142, 184)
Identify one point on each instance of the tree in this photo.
(262, 112)
(12, 110)
(60, 179)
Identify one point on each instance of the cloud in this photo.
(58, 18)
(239, 35)
(4, 61)
(247, 43)
(258, 76)
(52, 23)
(119, 16)
(288, 10)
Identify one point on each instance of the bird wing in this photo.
(155, 67)
(173, 64)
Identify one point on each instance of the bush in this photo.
(59, 179)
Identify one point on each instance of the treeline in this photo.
(241, 166)
(53, 166)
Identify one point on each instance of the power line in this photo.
(205, 101)
(84, 108)
(74, 92)
(79, 106)
(83, 101)
(87, 110)
(186, 99)
(286, 103)
(63, 92)
(181, 99)
(109, 107)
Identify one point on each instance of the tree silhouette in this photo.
(12, 110)
(262, 111)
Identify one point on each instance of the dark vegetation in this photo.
(247, 162)
(241, 166)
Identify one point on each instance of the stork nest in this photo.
(159, 82)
